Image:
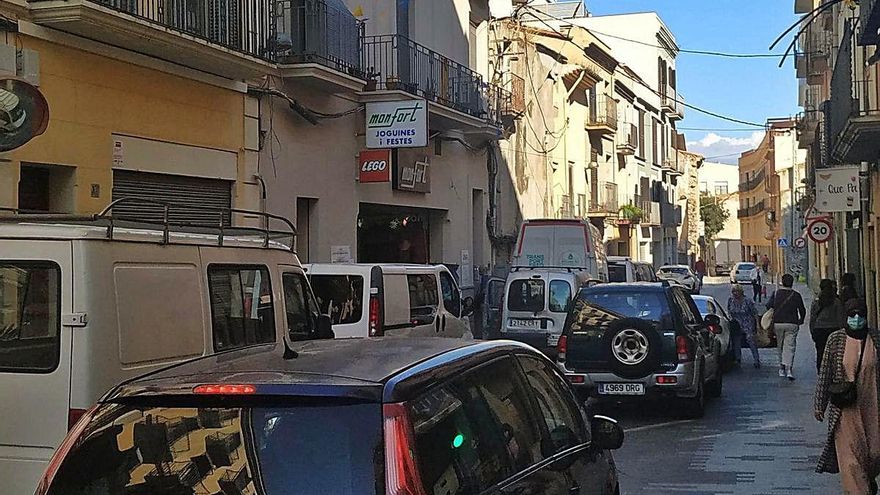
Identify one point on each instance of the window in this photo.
(642, 149)
(451, 295)
(655, 155)
(706, 307)
(423, 298)
(560, 295)
(475, 431)
(340, 296)
(721, 188)
(563, 424)
(242, 309)
(300, 306)
(30, 316)
(526, 295)
(687, 314)
(704, 187)
(617, 272)
(630, 304)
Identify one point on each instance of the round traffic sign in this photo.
(800, 243)
(820, 230)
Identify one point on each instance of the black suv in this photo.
(392, 416)
(640, 340)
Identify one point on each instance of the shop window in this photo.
(242, 310)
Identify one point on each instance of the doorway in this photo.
(395, 234)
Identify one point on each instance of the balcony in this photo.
(457, 96)
(754, 182)
(671, 103)
(855, 110)
(566, 209)
(650, 212)
(604, 201)
(672, 165)
(228, 38)
(629, 141)
(320, 44)
(603, 115)
(670, 214)
(870, 22)
(751, 211)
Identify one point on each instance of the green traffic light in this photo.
(458, 441)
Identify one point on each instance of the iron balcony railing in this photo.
(843, 103)
(565, 208)
(399, 63)
(238, 25)
(650, 210)
(754, 182)
(870, 22)
(751, 211)
(606, 200)
(603, 112)
(629, 139)
(313, 31)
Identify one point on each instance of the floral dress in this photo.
(743, 311)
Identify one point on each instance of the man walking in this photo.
(788, 315)
(700, 268)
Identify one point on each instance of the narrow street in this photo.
(759, 438)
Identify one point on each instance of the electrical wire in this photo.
(717, 129)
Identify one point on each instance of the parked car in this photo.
(708, 305)
(88, 303)
(722, 269)
(642, 340)
(536, 304)
(373, 300)
(574, 243)
(347, 416)
(744, 273)
(623, 269)
(682, 274)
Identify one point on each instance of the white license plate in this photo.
(552, 340)
(525, 323)
(622, 389)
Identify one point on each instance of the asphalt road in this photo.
(760, 437)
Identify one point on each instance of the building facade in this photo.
(719, 183)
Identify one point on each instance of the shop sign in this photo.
(340, 254)
(837, 189)
(397, 124)
(413, 177)
(374, 166)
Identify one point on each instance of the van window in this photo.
(300, 306)
(30, 316)
(423, 298)
(340, 296)
(242, 310)
(475, 431)
(451, 296)
(617, 272)
(526, 295)
(317, 446)
(560, 295)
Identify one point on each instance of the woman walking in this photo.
(852, 447)
(744, 313)
(826, 317)
(788, 315)
(757, 287)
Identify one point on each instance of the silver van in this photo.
(536, 303)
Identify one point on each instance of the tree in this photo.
(713, 214)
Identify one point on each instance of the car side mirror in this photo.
(606, 432)
(468, 306)
(325, 328)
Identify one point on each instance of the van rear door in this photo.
(35, 350)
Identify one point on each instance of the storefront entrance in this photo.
(394, 234)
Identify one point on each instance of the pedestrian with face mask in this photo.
(848, 389)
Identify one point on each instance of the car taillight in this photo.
(376, 329)
(562, 348)
(401, 472)
(224, 389)
(683, 348)
(72, 436)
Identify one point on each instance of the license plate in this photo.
(525, 323)
(552, 340)
(622, 388)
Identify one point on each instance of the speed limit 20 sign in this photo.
(820, 230)
(374, 166)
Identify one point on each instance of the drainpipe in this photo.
(263, 200)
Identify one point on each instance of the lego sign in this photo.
(397, 124)
(837, 189)
(374, 166)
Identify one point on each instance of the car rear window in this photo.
(30, 316)
(526, 295)
(616, 272)
(647, 305)
(560, 296)
(310, 448)
(677, 271)
(340, 296)
(745, 266)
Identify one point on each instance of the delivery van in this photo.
(565, 244)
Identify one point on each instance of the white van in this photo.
(624, 269)
(85, 304)
(374, 300)
(571, 243)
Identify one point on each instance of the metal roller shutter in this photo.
(201, 200)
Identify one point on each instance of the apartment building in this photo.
(719, 183)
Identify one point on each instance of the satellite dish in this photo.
(24, 113)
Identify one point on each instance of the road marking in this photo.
(772, 425)
(658, 425)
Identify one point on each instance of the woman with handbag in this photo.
(743, 312)
(826, 317)
(848, 389)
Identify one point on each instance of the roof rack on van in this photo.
(570, 269)
(168, 226)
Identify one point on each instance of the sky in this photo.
(747, 89)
